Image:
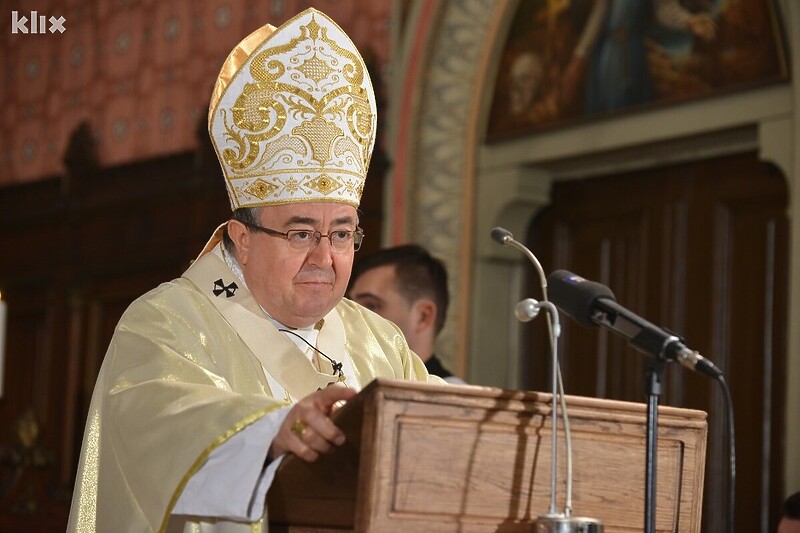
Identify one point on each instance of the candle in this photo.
(2, 340)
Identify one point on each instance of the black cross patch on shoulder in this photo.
(220, 287)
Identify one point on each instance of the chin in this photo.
(314, 312)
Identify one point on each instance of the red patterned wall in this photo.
(139, 71)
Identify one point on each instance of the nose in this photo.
(321, 254)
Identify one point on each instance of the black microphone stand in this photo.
(653, 376)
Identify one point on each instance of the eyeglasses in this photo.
(304, 240)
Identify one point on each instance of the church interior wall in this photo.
(512, 181)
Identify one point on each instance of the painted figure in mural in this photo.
(612, 50)
(407, 285)
(525, 78)
(212, 378)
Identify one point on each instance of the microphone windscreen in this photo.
(575, 295)
(526, 310)
(501, 235)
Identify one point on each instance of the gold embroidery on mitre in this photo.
(360, 123)
(260, 117)
(350, 187)
(315, 69)
(301, 104)
(286, 144)
(261, 189)
(320, 134)
(324, 184)
(291, 185)
(347, 146)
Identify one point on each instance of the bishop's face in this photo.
(296, 287)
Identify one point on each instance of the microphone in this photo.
(525, 311)
(592, 304)
(504, 237)
(501, 235)
(528, 309)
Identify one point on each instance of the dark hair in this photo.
(791, 507)
(419, 275)
(246, 215)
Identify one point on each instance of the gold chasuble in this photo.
(185, 372)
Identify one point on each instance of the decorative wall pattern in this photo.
(139, 71)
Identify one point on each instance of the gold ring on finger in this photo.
(299, 428)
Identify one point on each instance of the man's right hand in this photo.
(307, 430)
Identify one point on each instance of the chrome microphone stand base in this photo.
(564, 524)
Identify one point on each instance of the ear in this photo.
(241, 238)
(424, 315)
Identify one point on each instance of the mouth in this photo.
(316, 283)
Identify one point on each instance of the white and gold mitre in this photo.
(293, 115)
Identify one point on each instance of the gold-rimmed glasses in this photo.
(305, 240)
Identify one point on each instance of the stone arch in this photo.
(435, 159)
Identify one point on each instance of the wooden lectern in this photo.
(461, 458)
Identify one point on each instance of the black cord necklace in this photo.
(337, 367)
